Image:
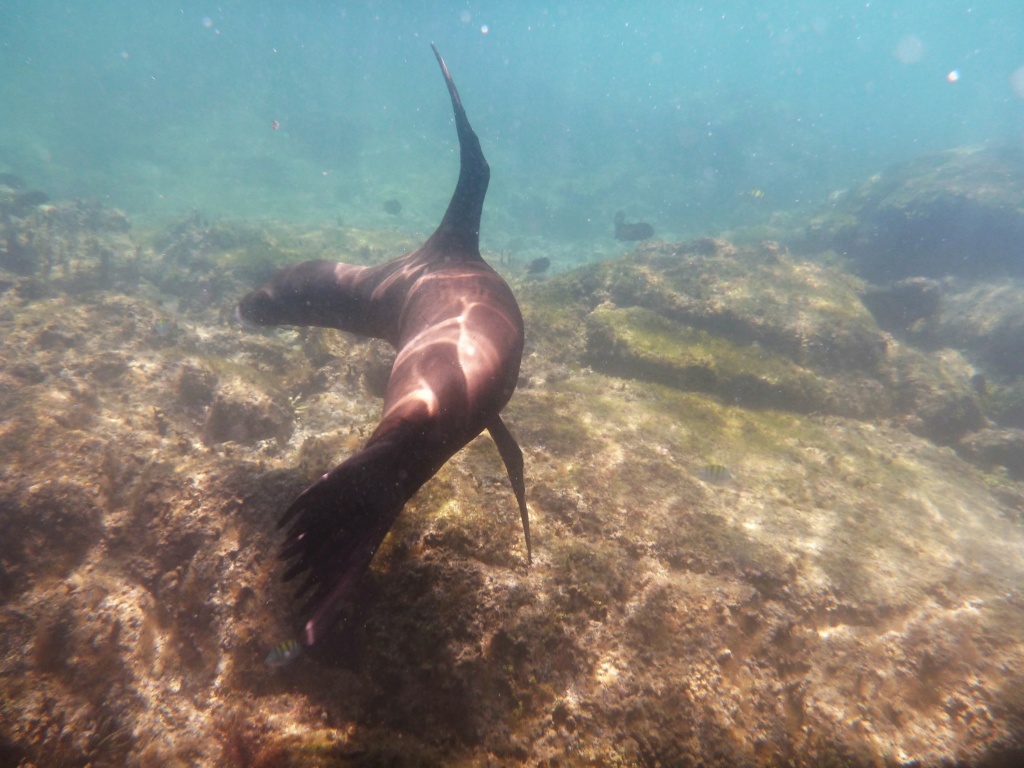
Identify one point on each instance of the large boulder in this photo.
(959, 212)
(754, 327)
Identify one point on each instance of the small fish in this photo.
(755, 194)
(274, 125)
(640, 230)
(284, 653)
(538, 266)
(393, 207)
(164, 328)
(714, 473)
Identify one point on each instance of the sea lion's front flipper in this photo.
(512, 455)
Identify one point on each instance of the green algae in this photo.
(789, 460)
(751, 326)
(594, 575)
(639, 343)
(330, 748)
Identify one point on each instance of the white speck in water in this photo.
(909, 50)
(1017, 82)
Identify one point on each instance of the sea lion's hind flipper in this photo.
(512, 455)
(334, 528)
(458, 235)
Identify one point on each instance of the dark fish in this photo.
(164, 328)
(979, 385)
(714, 473)
(630, 232)
(538, 266)
(393, 207)
(640, 230)
(284, 653)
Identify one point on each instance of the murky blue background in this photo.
(694, 116)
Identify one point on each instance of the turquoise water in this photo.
(692, 116)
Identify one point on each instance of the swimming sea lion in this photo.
(459, 336)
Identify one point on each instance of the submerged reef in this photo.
(769, 528)
(959, 213)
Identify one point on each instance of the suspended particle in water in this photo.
(207, 22)
(953, 75)
(909, 50)
(1017, 81)
(484, 29)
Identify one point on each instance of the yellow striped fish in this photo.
(284, 653)
(714, 473)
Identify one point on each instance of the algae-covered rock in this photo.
(998, 447)
(906, 306)
(987, 318)
(197, 384)
(959, 212)
(934, 395)
(71, 240)
(48, 529)
(242, 414)
(809, 313)
(639, 343)
(750, 326)
(756, 328)
(982, 320)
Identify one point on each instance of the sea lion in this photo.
(458, 333)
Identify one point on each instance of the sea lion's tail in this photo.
(459, 231)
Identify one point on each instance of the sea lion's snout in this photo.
(256, 309)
